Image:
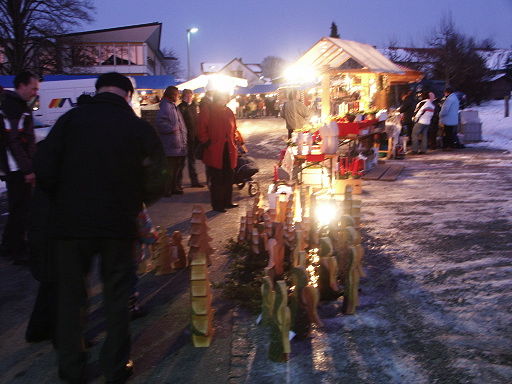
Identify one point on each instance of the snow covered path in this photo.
(436, 304)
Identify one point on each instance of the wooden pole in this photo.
(326, 97)
(507, 99)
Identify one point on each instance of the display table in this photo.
(357, 128)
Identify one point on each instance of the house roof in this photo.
(212, 67)
(141, 33)
(256, 68)
(218, 67)
(334, 53)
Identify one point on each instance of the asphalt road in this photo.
(435, 305)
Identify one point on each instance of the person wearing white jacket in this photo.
(422, 120)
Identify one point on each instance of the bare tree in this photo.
(456, 60)
(28, 29)
(272, 67)
(171, 62)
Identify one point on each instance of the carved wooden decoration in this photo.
(201, 299)
(328, 284)
(161, 251)
(267, 300)
(178, 255)
(351, 294)
(280, 349)
(242, 234)
(255, 241)
(199, 240)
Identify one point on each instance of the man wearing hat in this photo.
(99, 164)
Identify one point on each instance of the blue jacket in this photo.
(171, 128)
(449, 114)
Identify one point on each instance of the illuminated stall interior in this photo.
(351, 76)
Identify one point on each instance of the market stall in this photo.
(349, 84)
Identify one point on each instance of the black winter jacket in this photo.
(189, 113)
(99, 163)
(17, 133)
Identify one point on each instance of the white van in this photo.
(58, 97)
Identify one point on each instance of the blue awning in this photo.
(7, 81)
(142, 82)
(258, 88)
(154, 82)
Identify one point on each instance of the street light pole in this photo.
(189, 31)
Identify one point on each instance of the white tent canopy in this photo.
(213, 82)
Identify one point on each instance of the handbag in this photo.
(199, 151)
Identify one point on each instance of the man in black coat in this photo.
(188, 109)
(407, 110)
(98, 165)
(18, 148)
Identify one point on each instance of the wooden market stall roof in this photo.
(409, 75)
(347, 55)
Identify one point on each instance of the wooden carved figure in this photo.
(351, 293)
(161, 251)
(279, 348)
(303, 310)
(356, 212)
(328, 284)
(242, 233)
(279, 249)
(201, 299)
(181, 260)
(268, 225)
(199, 240)
(249, 225)
(255, 241)
(267, 300)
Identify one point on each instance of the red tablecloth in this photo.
(354, 128)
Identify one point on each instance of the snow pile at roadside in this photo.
(496, 129)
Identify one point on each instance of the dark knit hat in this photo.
(114, 79)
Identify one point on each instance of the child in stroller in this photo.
(246, 168)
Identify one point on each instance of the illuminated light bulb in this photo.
(325, 212)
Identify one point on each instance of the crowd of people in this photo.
(80, 191)
(255, 106)
(431, 122)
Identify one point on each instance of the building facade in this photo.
(131, 50)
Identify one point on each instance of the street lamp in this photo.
(189, 31)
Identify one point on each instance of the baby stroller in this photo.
(245, 169)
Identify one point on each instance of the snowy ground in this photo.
(435, 306)
(496, 128)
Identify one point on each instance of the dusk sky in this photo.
(254, 29)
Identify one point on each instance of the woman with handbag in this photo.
(422, 120)
(217, 127)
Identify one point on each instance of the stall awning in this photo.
(346, 54)
(213, 82)
(259, 88)
(154, 82)
(142, 82)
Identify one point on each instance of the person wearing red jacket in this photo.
(217, 127)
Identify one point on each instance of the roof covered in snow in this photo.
(495, 59)
(211, 67)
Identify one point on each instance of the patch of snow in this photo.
(496, 128)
